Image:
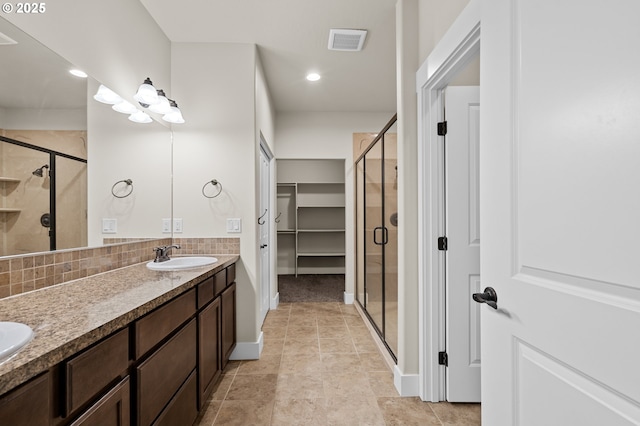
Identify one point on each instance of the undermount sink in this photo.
(178, 263)
(13, 336)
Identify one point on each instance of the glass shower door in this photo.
(390, 224)
(377, 236)
(374, 236)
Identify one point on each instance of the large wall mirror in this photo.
(61, 153)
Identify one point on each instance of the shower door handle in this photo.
(385, 235)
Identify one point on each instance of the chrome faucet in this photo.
(162, 252)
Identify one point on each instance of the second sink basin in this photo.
(178, 263)
(13, 336)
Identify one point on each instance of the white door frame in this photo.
(457, 48)
(269, 223)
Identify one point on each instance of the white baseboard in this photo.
(275, 301)
(348, 298)
(248, 350)
(406, 384)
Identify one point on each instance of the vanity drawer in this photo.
(162, 374)
(220, 281)
(90, 372)
(111, 410)
(205, 292)
(29, 404)
(153, 328)
(231, 273)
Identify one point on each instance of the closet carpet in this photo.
(311, 288)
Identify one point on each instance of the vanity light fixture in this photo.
(78, 73)
(107, 96)
(163, 106)
(175, 115)
(146, 94)
(125, 107)
(313, 76)
(140, 117)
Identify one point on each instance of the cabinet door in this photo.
(162, 374)
(28, 405)
(208, 349)
(111, 410)
(228, 327)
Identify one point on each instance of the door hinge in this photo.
(442, 128)
(443, 359)
(442, 243)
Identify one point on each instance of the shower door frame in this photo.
(52, 181)
(378, 139)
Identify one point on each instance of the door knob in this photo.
(490, 297)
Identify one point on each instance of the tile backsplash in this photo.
(23, 273)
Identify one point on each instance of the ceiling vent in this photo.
(5, 40)
(347, 40)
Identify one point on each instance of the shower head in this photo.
(39, 172)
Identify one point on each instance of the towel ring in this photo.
(214, 183)
(129, 183)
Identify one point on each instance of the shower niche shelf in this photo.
(9, 210)
(4, 179)
(311, 226)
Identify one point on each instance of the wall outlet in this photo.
(234, 225)
(109, 226)
(177, 225)
(166, 226)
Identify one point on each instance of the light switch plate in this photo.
(177, 225)
(234, 225)
(166, 226)
(109, 226)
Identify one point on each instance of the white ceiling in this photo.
(292, 38)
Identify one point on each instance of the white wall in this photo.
(329, 135)
(120, 149)
(226, 105)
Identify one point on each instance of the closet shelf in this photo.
(322, 230)
(311, 205)
(325, 254)
(286, 231)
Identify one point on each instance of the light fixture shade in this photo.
(107, 96)
(146, 94)
(125, 107)
(163, 106)
(140, 117)
(175, 115)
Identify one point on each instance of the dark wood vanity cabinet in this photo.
(29, 404)
(158, 370)
(209, 364)
(113, 409)
(228, 323)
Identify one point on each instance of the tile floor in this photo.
(321, 366)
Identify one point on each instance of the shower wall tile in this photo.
(23, 273)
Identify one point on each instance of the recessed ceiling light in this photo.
(313, 76)
(79, 73)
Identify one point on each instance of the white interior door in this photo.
(560, 191)
(264, 229)
(462, 212)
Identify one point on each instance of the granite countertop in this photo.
(69, 317)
